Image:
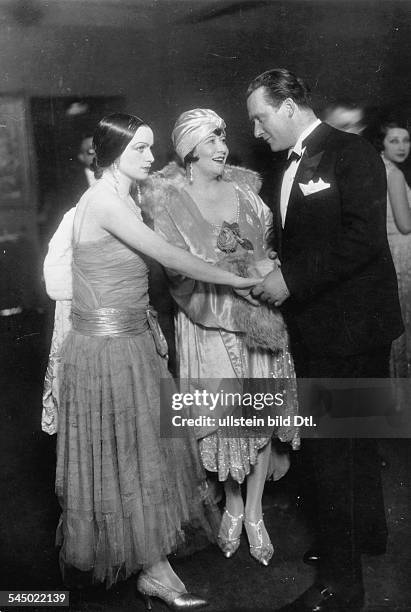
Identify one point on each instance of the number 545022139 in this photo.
(34, 598)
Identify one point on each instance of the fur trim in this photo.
(244, 177)
(160, 187)
(263, 326)
(166, 183)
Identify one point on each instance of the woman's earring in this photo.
(115, 171)
(190, 172)
(139, 197)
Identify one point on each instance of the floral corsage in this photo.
(263, 326)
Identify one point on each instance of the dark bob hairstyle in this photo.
(112, 135)
(382, 131)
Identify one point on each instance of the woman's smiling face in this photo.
(212, 154)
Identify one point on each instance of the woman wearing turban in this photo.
(213, 211)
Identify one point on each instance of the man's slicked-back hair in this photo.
(280, 84)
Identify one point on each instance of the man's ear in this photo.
(289, 106)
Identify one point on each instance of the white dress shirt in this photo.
(289, 174)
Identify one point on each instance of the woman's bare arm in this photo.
(117, 217)
(397, 192)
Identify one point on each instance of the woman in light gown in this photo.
(394, 144)
(126, 494)
(219, 220)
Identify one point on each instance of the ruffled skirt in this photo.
(126, 494)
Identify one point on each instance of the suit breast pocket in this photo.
(327, 191)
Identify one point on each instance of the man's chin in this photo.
(275, 148)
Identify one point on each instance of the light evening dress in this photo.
(126, 494)
(400, 245)
(210, 348)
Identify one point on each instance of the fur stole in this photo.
(166, 183)
(262, 326)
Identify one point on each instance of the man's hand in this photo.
(246, 295)
(273, 289)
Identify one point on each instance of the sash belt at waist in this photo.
(116, 322)
(110, 322)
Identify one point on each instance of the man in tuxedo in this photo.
(338, 292)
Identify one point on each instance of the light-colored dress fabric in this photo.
(400, 245)
(62, 325)
(58, 280)
(126, 494)
(208, 343)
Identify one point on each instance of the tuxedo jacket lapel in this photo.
(314, 151)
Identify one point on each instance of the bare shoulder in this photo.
(395, 175)
(102, 202)
(95, 210)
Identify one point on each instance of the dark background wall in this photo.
(167, 56)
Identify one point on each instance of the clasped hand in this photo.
(272, 289)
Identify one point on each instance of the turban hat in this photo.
(192, 127)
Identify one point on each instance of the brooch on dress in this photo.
(229, 238)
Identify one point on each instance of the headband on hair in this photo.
(192, 127)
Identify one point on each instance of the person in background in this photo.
(345, 115)
(75, 179)
(393, 142)
(80, 175)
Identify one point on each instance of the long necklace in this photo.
(237, 217)
(229, 237)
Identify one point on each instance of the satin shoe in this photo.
(230, 532)
(261, 551)
(176, 600)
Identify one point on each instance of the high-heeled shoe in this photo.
(176, 600)
(262, 551)
(226, 539)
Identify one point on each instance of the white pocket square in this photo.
(312, 187)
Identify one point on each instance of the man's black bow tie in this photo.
(293, 157)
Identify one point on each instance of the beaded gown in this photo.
(210, 349)
(126, 494)
(400, 245)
